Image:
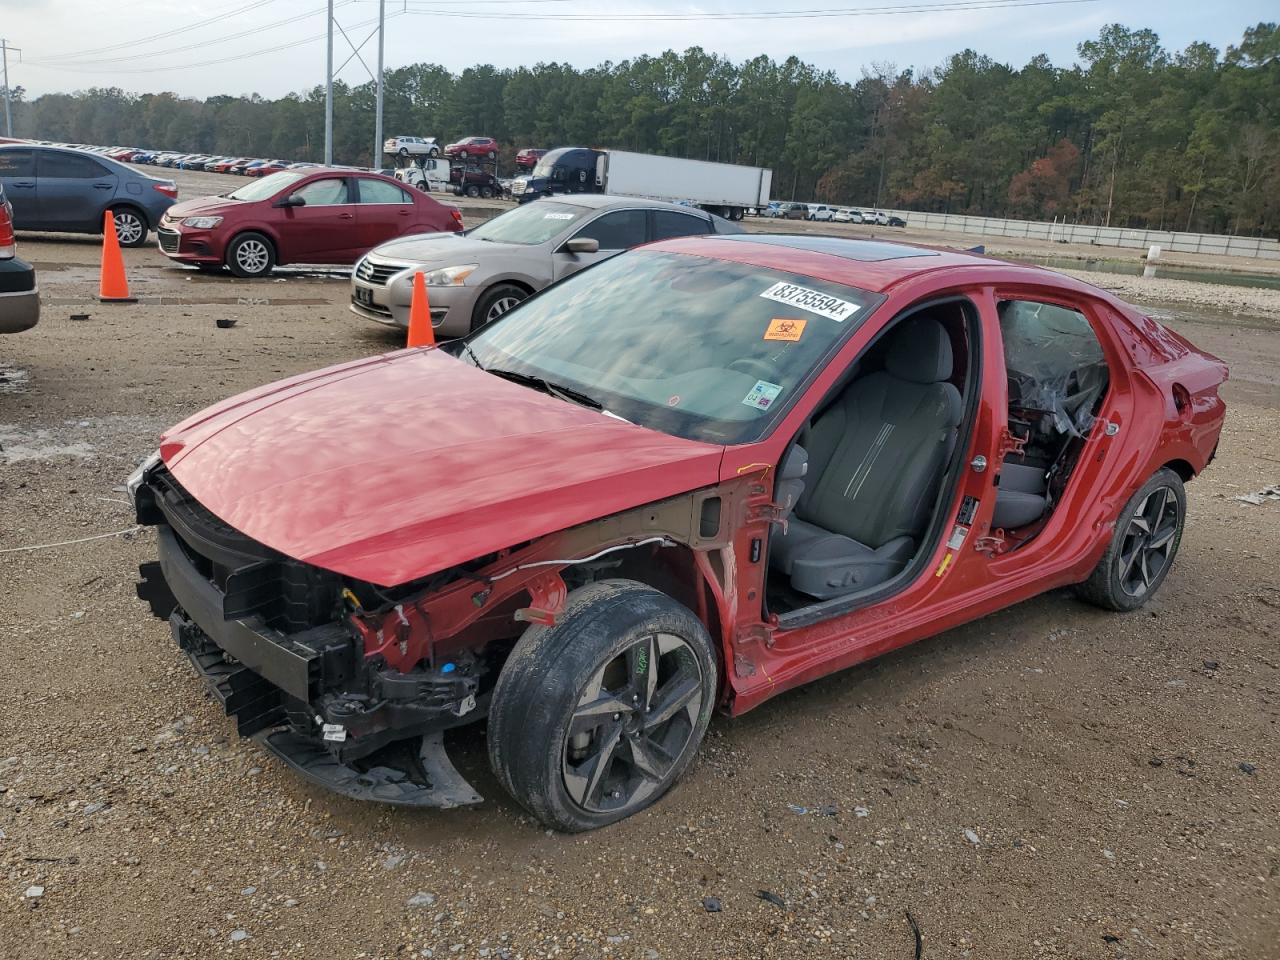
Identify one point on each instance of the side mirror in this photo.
(583, 245)
(292, 200)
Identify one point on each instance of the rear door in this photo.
(74, 190)
(383, 211)
(615, 231)
(324, 229)
(18, 176)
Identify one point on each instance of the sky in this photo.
(273, 47)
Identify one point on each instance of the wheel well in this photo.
(133, 207)
(1183, 469)
(275, 247)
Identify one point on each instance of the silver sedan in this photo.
(474, 277)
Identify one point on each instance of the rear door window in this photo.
(69, 166)
(619, 230)
(379, 191)
(668, 223)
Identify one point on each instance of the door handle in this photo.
(25, 183)
(344, 216)
(102, 186)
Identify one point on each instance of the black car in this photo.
(897, 222)
(19, 295)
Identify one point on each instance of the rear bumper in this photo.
(19, 296)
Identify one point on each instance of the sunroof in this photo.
(864, 250)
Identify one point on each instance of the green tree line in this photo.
(1131, 135)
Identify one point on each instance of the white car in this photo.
(820, 211)
(412, 146)
(875, 216)
(848, 215)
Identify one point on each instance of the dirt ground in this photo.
(1050, 781)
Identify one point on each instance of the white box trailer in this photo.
(727, 189)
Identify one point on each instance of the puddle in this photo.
(1135, 269)
(198, 301)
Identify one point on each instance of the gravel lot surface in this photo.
(1050, 781)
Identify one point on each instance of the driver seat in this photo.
(878, 454)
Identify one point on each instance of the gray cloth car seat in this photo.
(876, 457)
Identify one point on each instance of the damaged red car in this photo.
(691, 477)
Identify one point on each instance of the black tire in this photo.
(251, 255)
(404, 151)
(131, 226)
(472, 190)
(493, 155)
(462, 154)
(614, 639)
(433, 152)
(486, 192)
(423, 187)
(496, 301)
(1143, 546)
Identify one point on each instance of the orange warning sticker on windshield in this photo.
(783, 329)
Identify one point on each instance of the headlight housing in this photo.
(202, 223)
(136, 478)
(448, 276)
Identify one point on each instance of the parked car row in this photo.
(828, 213)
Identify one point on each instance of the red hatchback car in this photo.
(474, 148)
(695, 475)
(311, 216)
(528, 158)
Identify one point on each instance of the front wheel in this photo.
(251, 255)
(473, 191)
(131, 229)
(597, 717)
(495, 303)
(1143, 545)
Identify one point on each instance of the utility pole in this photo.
(328, 94)
(377, 122)
(8, 110)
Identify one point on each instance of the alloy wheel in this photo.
(1146, 549)
(634, 720)
(252, 256)
(499, 307)
(129, 227)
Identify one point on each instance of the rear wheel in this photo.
(131, 228)
(495, 303)
(1143, 546)
(473, 190)
(251, 255)
(493, 155)
(597, 717)
(486, 192)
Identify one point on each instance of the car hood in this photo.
(399, 466)
(432, 247)
(202, 205)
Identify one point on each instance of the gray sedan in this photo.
(474, 277)
(68, 191)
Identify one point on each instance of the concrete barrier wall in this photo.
(1169, 241)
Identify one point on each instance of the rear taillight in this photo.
(167, 187)
(457, 216)
(8, 249)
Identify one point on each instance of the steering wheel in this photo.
(752, 367)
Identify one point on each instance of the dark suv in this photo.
(19, 295)
(474, 181)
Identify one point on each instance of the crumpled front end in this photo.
(283, 647)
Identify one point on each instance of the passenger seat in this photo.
(876, 457)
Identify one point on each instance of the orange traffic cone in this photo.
(114, 287)
(420, 332)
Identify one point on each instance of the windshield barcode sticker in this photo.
(815, 301)
(557, 216)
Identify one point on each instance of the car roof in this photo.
(598, 201)
(873, 265)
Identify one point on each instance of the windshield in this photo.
(267, 186)
(546, 163)
(695, 347)
(530, 224)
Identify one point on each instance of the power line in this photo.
(938, 7)
(165, 35)
(63, 61)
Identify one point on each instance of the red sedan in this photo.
(474, 148)
(696, 475)
(311, 216)
(528, 158)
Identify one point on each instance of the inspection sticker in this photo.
(781, 328)
(815, 301)
(762, 395)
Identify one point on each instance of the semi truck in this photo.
(725, 189)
